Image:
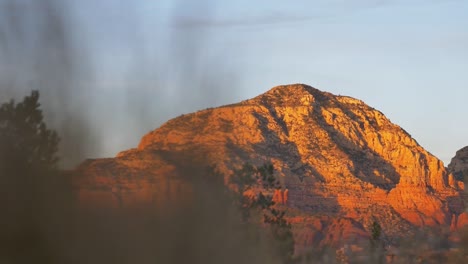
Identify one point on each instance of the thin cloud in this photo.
(270, 19)
(322, 11)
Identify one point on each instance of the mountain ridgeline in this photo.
(343, 163)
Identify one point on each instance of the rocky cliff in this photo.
(343, 163)
(459, 164)
(459, 168)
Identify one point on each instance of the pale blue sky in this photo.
(154, 60)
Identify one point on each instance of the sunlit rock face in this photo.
(343, 163)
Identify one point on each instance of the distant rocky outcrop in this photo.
(342, 162)
(458, 168)
(459, 164)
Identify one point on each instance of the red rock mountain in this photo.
(343, 163)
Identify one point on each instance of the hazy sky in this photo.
(150, 61)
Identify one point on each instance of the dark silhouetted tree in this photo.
(24, 137)
(247, 180)
(377, 251)
(28, 162)
(376, 231)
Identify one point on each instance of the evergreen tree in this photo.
(247, 180)
(28, 161)
(376, 231)
(25, 140)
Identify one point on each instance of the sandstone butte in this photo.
(343, 163)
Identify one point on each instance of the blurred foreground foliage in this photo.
(41, 223)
